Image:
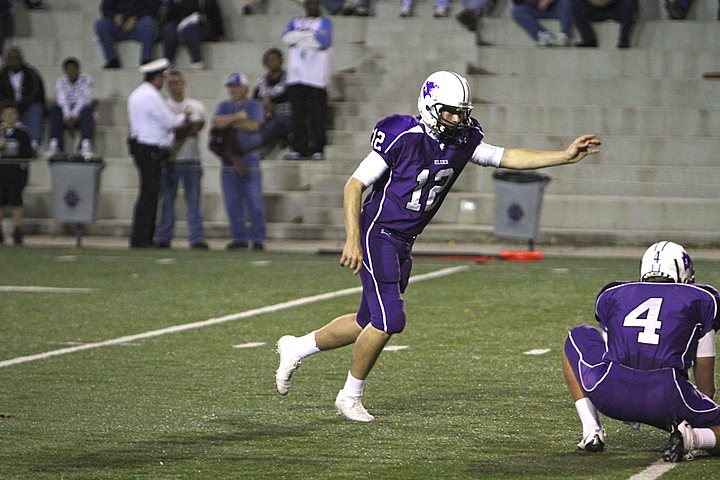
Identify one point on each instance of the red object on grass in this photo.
(521, 256)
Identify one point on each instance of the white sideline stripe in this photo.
(249, 345)
(537, 351)
(215, 321)
(395, 348)
(17, 289)
(654, 471)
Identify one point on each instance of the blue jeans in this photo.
(190, 36)
(240, 192)
(190, 173)
(33, 120)
(144, 32)
(527, 17)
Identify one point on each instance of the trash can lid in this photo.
(74, 159)
(520, 176)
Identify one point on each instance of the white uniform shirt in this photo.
(151, 120)
(187, 148)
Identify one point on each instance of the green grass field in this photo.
(462, 401)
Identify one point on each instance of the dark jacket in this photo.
(33, 88)
(209, 10)
(130, 8)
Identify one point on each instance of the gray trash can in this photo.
(518, 196)
(76, 184)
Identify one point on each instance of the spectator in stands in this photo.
(359, 8)
(186, 167)
(271, 90)
(527, 13)
(441, 8)
(309, 39)
(587, 11)
(152, 131)
(6, 22)
(240, 176)
(23, 84)
(73, 109)
(124, 20)
(14, 144)
(184, 26)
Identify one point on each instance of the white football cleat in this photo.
(288, 364)
(593, 441)
(351, 408)
(681, 442)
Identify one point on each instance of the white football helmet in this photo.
(667, 260)
(445, 91)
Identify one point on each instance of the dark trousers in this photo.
(150, 162)
(622, 11)
(309, 119)
(85, 123)
(190, 36)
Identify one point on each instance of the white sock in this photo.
(353, 387)
(704, 438)
(306, 346)
(588, 415)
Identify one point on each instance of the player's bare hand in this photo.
(583, 146)
(352, 257)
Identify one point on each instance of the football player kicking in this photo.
(636, 369)
(413, 163)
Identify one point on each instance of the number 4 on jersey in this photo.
(646, 316)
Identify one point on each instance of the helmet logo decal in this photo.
(428, 88)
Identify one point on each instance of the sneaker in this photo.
(288, 365)
(2, 236)
(563, 40)
(17, 236)
(681, 442)
(201, 245)
(362, 11)
(440, 12)
(86, 149)
(593, 442)
(348, 8)
(293, 156)
(545, 39)
(258, 246)
(53, 148)
(161, 245)
(236, 245)
(196, 66)
(112, 64)
(351, 408)
(467, 19)
(318, 156)
(406, 9)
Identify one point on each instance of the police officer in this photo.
(152, 126)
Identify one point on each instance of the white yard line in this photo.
(30, 289)
(654, 471)
(215, 321)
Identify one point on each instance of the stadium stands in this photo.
(658, 175)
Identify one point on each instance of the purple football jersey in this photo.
(655, 325)
(422, 169)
